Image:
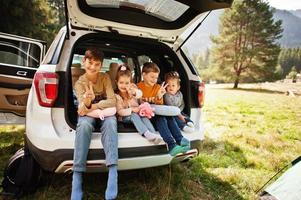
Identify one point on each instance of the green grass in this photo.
(250, 135)
(11, 139)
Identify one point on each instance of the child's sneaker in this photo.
(177, 150)
(152, 137)
(157, 140)
(188, 129)
(185, 144)
(190, 124)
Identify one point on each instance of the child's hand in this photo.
(82, 112)
(89, 94)
(132, 90)
(149, 99)
(162, 90)
(100, 114)
(86, 111)
(182, 118)
(135, 109)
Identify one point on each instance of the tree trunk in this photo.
(236, 82)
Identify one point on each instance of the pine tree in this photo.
(288, 58)
(246, 44)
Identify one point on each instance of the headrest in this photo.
(76, 72)
(112, 73)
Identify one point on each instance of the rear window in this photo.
(77, 61)
(157, 8)
(19, 53)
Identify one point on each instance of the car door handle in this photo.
(21, 73)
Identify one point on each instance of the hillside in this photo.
(296, 12)
(291, 23)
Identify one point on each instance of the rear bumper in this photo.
(130, 163)
(61, 160)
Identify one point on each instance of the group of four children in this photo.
(97, 99)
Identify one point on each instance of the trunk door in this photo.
(164, 20)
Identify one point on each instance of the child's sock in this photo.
(152, 137)
(185, 144)
(112, 188)
(190, 124)
(77, 192)
(176, 150)
(188, 129)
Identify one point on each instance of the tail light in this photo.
(201, 94)
(46, 86)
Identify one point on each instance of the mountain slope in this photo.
(296, 12)
(291, 36)
(200, 40)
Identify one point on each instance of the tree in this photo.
(30, 18)
(245, 46)
(293, 74)
(59, 10)
(288, 58)
(201, 60)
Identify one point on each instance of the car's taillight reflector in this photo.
(46, 86)
(201, 94)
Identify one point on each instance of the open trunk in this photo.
(134, 52)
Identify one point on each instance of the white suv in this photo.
(128, 31)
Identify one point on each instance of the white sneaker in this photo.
(188, 129)
(152, 137)
(157, 140)
(190, 124)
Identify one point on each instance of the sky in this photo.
(285, 4)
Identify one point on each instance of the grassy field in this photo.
(250, 135)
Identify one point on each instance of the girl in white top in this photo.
(128, 107)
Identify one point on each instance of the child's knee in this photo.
(110, 123)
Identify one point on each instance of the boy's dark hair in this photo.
(172, 75)
(150, 67)
(94, 53)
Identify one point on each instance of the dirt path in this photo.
(273, 87)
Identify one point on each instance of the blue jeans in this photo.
(142, 124)
(83, 134)
(180, 123)
(169, 130)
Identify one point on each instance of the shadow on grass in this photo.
(221, 154)
(216, 155)
(182, 181)
(167, 182)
